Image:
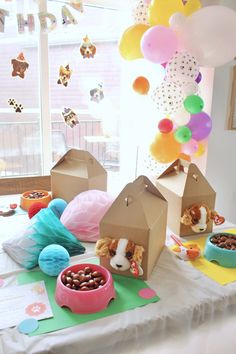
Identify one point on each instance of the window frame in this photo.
(232, 102)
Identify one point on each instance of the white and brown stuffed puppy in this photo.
(198, 216)
(124, 254)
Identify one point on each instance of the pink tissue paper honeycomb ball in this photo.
(84, 213)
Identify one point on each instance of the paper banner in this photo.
(77, 5)
(22, 23)
(3, 14)
(67, 17)
(43, 16)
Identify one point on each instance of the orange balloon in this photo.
(141, 85)
(185, 157)
(129, 45)
(165, 148)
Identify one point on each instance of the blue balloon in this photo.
(57, 205)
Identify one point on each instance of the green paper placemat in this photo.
(127, 298)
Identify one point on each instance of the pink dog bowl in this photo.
(85, 301)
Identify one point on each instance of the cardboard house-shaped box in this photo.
(136, 220)
(185, 188)
(77, 171)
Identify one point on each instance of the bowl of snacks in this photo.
(221, 248)
(84, 288)
(30, 197)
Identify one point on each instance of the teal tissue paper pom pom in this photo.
(53, 259)
(57, 205)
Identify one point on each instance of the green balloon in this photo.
(193, 104)
(182, 134)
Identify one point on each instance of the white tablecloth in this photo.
(194, 315)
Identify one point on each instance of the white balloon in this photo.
(183, 67)
(168, 98)
(182, 117)
(140, 12)
(209, 34)
(189, 88)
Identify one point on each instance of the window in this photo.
(36, 137)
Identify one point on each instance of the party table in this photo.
(195, 314)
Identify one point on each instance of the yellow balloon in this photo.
(165, 148)
(200, 151)
(129, 45)
(161, 10)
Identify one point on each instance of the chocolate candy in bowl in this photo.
(30, 197)
(84, 288)
(221, 248)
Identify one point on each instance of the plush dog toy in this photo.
(124, 254)
(199, 215)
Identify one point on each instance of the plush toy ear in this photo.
(138, 254)
(186, 218)
(102, 246)
(218, 220)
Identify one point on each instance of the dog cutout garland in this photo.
(197, 216)
(19, 66)
(96, 94)
(70, 117)
(124, 254)
(64, 75)
(87, 48)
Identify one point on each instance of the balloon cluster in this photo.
(179, 36)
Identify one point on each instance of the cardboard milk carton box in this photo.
(191, 199)
(77, 171)
(133, 230)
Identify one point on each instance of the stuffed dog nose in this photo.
(119, 265)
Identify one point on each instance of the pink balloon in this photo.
(190, 147)
(159, 44)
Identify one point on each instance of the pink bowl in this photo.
(84, 302)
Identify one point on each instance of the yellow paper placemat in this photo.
(214, 271)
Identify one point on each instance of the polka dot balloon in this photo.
(183, 67)
(168, 97)
(140, 12)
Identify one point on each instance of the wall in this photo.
(221, 162)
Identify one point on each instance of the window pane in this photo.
(20, 152)
(98, 110)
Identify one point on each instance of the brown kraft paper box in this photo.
(77, 171)
(183, 184)
(138, 214)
